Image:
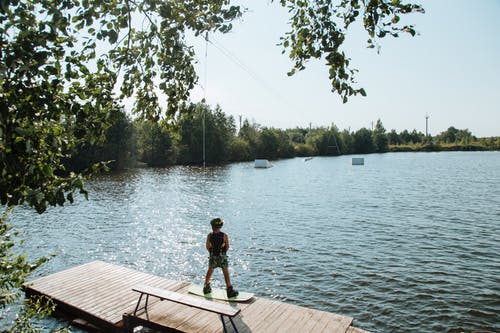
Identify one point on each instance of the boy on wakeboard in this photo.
(217, 245)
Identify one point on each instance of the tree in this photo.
(285, 147)
(448, 136)
(380, 140)
(347, 142)
(222, 132)
(57, 91)
(318, 138)
(155, 144)
(393, 137)
(250, 133)
(363, 141)
(465, 137)
(319, 29)
(269, 144)
(405, 137)
(117, 151)
(58, 75)
(303, 150)
(297, 135)
(219, 132)
(57, 86)
(239, 150)
(60, 62)
(417, 137)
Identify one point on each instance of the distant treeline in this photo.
(159, 144)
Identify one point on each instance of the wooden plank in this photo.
(97, 287)
(79, 271)
(355, 330)
(94, 265)
(204, 322)
(313, 322)
(268, 311)
(108, 288)
(101, 293)
(295, 319)
(130, 298)
(255, 309)
(195, 302)
(109, 294)
(336, 325)
(179, 317)
(171, 314)
(67, 285)
(112, 303)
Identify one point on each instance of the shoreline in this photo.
(440, 148)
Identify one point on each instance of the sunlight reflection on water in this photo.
(406, 242)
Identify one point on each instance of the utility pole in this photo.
(240, 124)
(426, 124)
(203, 124)
(204, 96)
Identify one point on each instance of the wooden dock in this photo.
(101, 294)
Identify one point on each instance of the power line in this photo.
(270, 89)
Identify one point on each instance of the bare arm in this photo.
(207, 243)
(226, 240)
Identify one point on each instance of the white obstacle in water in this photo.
(262, 163)
(358, 161)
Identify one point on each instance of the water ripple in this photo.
(409, 242)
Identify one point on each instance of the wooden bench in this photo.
(223, 310)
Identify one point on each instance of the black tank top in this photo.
(218, 244)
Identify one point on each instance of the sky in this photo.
(450, 72)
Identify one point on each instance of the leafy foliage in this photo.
(116, 152)
(155, 144)
(49, 101)
(60, 62)
(454, 135)
(64, 66)
(58, 74)
(363, 141)
(380, 139)
(14, 269)
(219, 132)
(163, 144)
(35, 307)
(319, 29)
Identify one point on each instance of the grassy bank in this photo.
(426, 147)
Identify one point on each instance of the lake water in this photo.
(409, 242)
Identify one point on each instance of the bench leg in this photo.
(137, 306)
(145, 306)
(224, 324)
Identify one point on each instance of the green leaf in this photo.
(39, 197)
(47, 171)
(113, 36)
(28, 146)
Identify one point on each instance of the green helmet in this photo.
(217, 222)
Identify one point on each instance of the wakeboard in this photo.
(219, 294)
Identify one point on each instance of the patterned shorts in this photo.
(218, 261)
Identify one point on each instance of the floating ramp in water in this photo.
(262, 163)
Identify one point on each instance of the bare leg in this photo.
(210, 271)
(225, 271)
